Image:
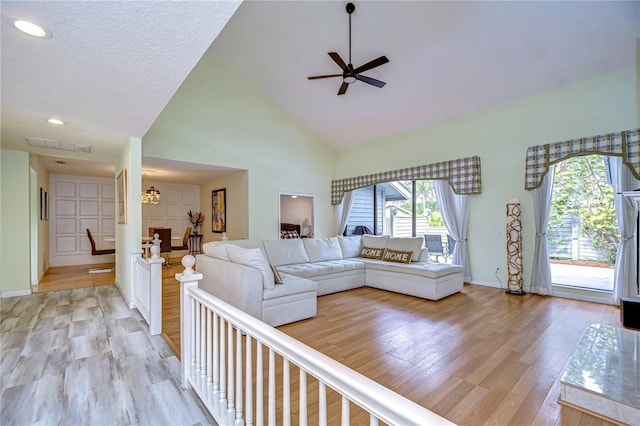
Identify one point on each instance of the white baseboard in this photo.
(16, 293)
(124, 296)
(487, 284)
(584, 295)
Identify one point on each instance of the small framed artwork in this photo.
(121, 194)
(219, 210)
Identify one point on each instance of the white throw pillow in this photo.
(350, 246)
(413, 244)
(254, 258)
(216, 249)
(374, 241)
(321, 249)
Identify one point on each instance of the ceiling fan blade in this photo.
(343, 89)
(315, 77)
(338, 60)
(371, 81)
(372, 64)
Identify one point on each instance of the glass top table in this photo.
(602, 375)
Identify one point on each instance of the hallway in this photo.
(82, 356)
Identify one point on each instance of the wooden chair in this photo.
(164, 234)
(185, 240)
(94, 251)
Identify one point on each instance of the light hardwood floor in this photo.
(478, 357)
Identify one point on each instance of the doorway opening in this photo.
(583, 229)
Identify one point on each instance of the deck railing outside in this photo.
(229, 358)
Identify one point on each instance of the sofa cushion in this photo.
(310, 270)
(217, 249)
(397, 256)
(413, 244)
(374, 241)
(427, 269)
(290, 285)
(320, 249)
(254, 258)
(350, 246)
(285, 252)
(371, 253)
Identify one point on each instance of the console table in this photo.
(195, 241)
(602, 375)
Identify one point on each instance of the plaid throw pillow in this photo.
(289, 234)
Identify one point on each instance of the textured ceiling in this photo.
(112, 66)
(108, 71)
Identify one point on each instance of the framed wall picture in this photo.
(219, 210)
(121, 194)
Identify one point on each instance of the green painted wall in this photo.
(43, 225)
(128, 234)
(500, 136)
(237, 186)
(14, 223)
(217, 118)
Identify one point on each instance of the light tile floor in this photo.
(82, 357)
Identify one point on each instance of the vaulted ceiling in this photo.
(111, 67)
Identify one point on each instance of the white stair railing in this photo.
(213, 334)
(147, 287)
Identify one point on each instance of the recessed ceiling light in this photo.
(31, 28)
(55, 121)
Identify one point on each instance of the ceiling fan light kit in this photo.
(349, 74)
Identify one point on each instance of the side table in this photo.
(195, 241)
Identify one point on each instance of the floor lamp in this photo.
(514, 248)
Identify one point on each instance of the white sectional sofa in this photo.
(242, 272)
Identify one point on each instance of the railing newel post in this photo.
(155, 292)
(188, 279)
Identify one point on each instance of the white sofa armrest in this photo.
(238, 285)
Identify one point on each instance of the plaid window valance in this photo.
(463, 175)
(624, 144)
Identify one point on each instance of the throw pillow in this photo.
(289, 234)
(413, 244)
(254, 258)
(276, 275)
(397, 256)
(371, 253)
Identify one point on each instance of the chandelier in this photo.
(150, 195)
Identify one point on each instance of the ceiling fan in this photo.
(349, 74)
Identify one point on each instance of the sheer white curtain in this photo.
(343, 210)
(541, 271)
(624, 276)
(455, 212)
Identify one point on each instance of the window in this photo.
(400, 209)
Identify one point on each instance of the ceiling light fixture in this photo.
(150, 195)
(55, 121)
(31, 28)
